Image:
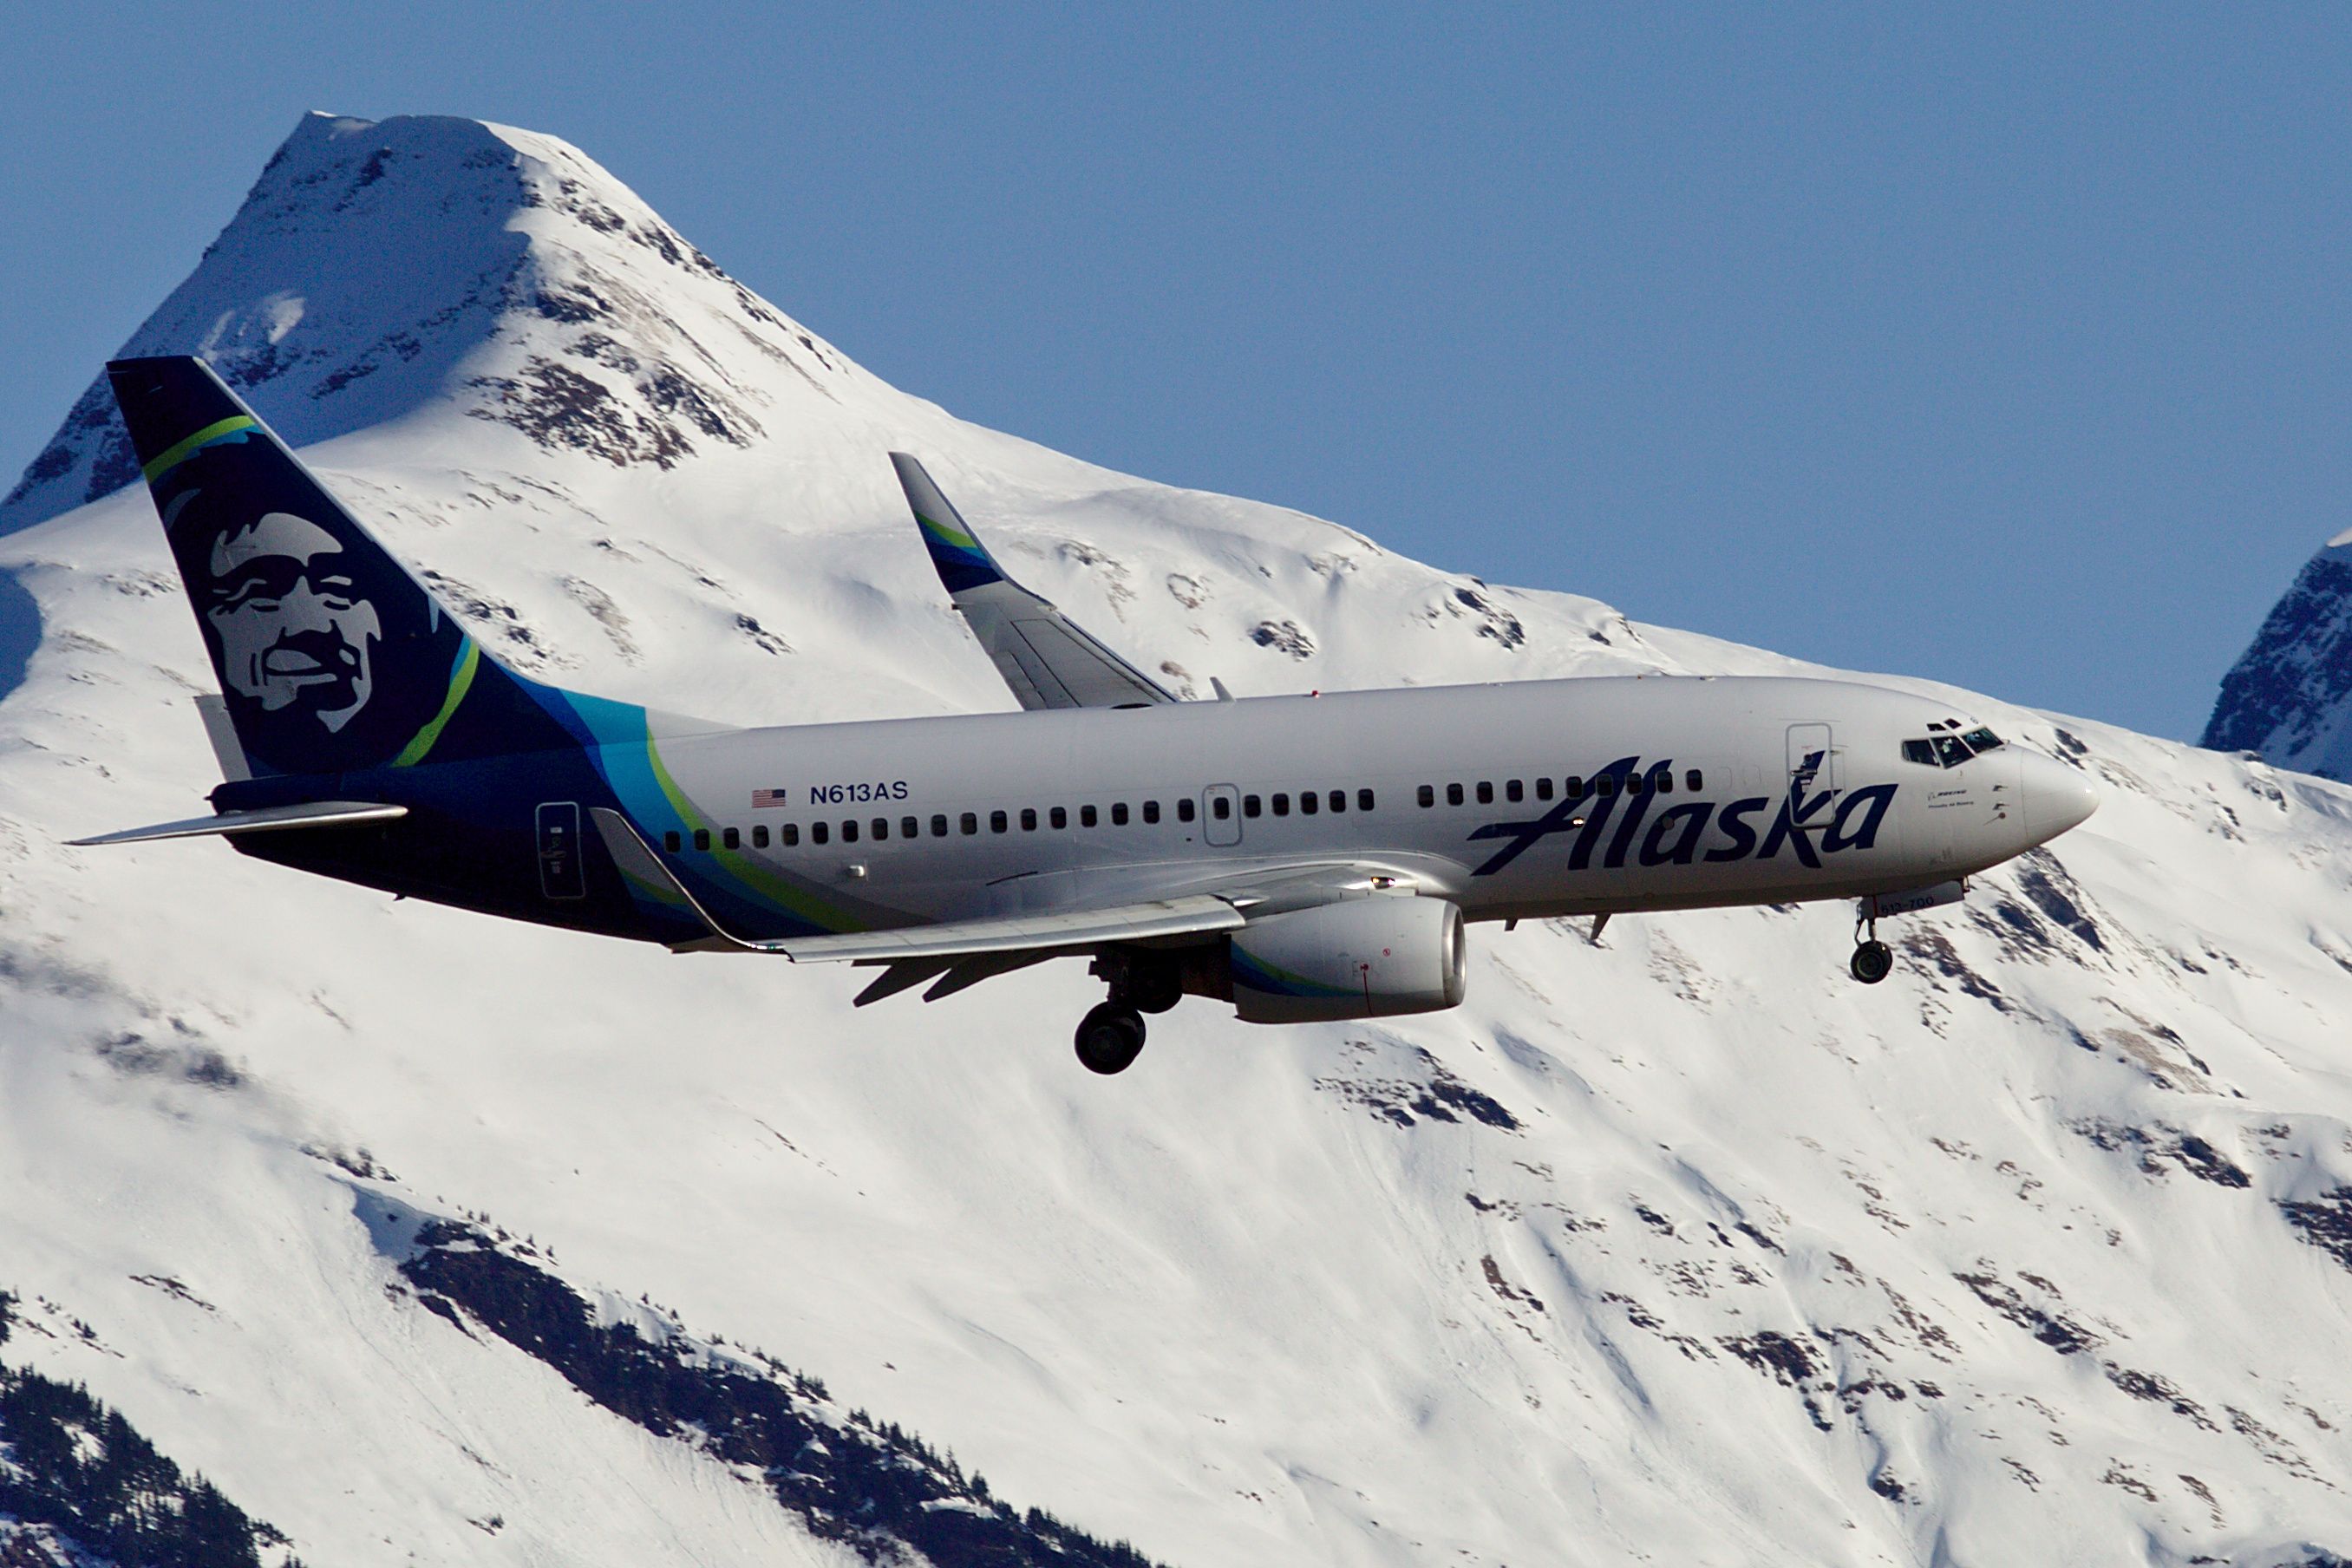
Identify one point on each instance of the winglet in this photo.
(1047, 660)
(962, 560)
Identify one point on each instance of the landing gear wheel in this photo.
(1872, 960)
(1109, 1038)
(1153, 988)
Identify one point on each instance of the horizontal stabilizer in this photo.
(264, 819)
(1048, 659)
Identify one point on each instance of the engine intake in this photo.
(1364, 958)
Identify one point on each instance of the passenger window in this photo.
(1338, 800)
(731, 838)
(1574, 786)
(849, 831)
(1543, 788)
(1364, 800)
(791, 834)
(759, 836)
(669, 841)
(1425, 795)
(1119, 813)
(1281, 804)
(1088, 816)
(968, 824)
(1486, 792)
(702, 838)
(1694, 780)
(820, 832)
(1221, 808)
(881, 828)
(1058, 817)
(1184, 809)
(1454, 794)
(1666, 780)
(1151, 812)
(909, 827)
(1250, 806)
(1636, 783)
(1515, 792)
(1028, 819)
(1605, 786)
(939, 826)
(1308, 802)
(997, 822)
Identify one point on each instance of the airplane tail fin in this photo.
(332, 657)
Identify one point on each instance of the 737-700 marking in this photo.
(1675, 836)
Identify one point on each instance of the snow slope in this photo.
(1680, 1248)
(2289, 696)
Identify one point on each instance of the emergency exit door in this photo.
(1221, 815)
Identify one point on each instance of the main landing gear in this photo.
(1110, 1036)
(1873, 959)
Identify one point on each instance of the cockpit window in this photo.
(1949, 751)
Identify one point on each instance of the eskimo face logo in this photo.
(295, 635)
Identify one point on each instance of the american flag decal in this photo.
(766, 797)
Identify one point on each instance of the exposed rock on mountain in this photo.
(2289, 696)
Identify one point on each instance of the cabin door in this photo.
(1813, 762)
(559, 872)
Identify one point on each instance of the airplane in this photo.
(1302, 857)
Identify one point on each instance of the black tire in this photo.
(1109, 1038)
(1153, 988)
(1873, 962)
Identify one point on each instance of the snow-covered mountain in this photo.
(427, 1237)
(2289, 696)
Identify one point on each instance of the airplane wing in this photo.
(1048, 659)
(267, 819)
(1042, 932)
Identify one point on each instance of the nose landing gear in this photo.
(1873, 959)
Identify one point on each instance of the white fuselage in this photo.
(1054, 809)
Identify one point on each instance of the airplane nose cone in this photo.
(2057, 797)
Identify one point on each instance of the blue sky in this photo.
(2008, 350)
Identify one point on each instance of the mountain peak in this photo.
(2289, 696)
(328, 301)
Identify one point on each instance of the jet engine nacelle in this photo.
(1362, 958)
